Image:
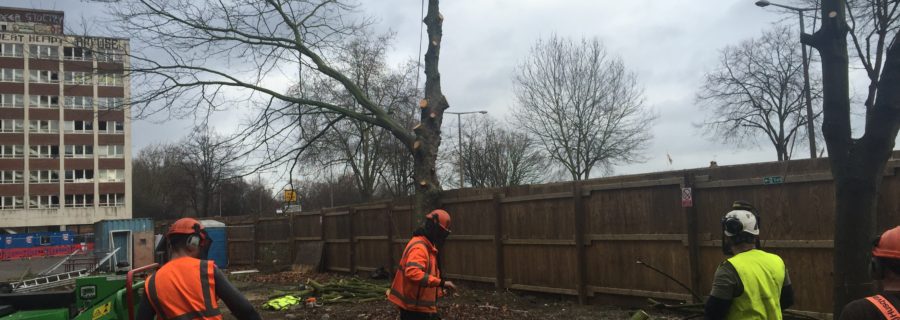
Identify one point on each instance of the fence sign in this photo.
(687, 198)
(773, 180)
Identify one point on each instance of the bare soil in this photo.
(472, 301)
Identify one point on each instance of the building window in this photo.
(12, 125)
(44, 101)
(77, 77)
(11, 75)
(11, 50)
(79, 151)
(82, 175)
(47, 151)
(112, 200)
(9, 100)
(43, 126)
(12, 151)
(111, 126)
(43, 202)
(44, 76)
(11, 177)
(78, 102)
(11, 203)
(111, 175)
(110, 56)
(79, 200)
(44, 176)
(44, 52)
(110, 103)
(79, 126)
(111, 151)
(109, 79)
(77, 53)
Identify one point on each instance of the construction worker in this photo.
(885, 267)
(751, 284)
(418, 283)
(188, 286)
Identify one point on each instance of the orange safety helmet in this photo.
(185, 226)
(193, 227)
(888, 244)
(440, 217)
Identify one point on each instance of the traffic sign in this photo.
(290, 195)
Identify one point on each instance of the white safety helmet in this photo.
(740, 220)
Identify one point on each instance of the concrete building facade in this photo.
(65, 130)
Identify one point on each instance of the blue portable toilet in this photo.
(219, 250)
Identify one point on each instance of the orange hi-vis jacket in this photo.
(184, 289)
(417, 283)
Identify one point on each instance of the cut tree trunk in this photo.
(428, 132)
(857, 164)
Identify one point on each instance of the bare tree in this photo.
(495, 156)
(161, 191)
(757, 90)
(195, 56)
(582, 104)
(857, 163)
(207, 163)
(359, 145)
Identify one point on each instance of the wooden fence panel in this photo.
(241, 244)
(529, 234)
(274, 244)
(307, 226)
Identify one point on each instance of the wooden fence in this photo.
(583, 239)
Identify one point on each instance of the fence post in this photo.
(324, 260)
(500, 273)
(322, 224)
(580, 248)
(255, 242)
(292, 242)
(390, 237)
(350, 213)
(693, 245)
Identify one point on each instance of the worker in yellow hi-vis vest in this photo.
(751, 284)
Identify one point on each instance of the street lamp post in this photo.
(459, 146)
(810, 125)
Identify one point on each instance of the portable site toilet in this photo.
(219, 250)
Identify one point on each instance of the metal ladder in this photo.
(46, 282)
(57, 280)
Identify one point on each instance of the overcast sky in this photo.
(669, 44)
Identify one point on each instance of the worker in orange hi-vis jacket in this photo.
(418, 283)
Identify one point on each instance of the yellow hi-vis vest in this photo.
(762, 275)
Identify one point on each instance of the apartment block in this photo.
(65, 130)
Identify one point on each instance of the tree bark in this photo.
(428, 132)
(857, 164)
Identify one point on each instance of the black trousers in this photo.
(412, 315)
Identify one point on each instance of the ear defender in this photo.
(195, 239)
(733, 226)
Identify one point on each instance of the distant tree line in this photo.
(195, 177)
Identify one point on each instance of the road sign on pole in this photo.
(290, 196)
